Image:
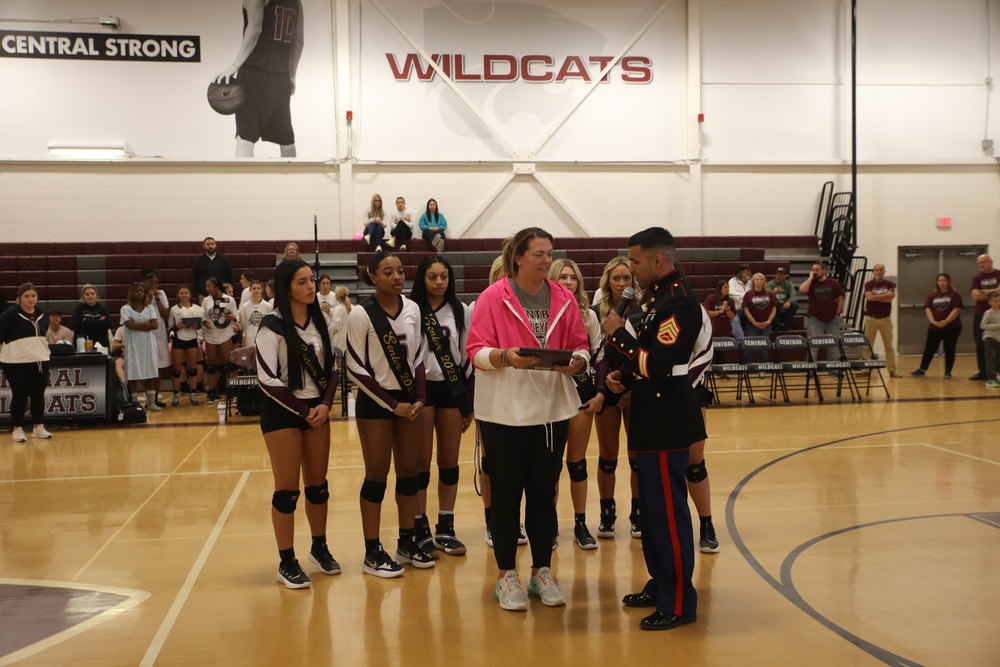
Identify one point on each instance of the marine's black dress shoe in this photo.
(641, 599)
(661, 620)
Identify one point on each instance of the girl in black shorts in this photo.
(385, 359)
(445, 324)
(185, 320)
(295, 367)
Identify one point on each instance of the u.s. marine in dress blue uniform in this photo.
(665, 420)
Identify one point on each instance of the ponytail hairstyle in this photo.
(343, 295)
(373, 263)
(578, 294)
(283, 276)
(496, 269)
(518, 245)
(419, 293)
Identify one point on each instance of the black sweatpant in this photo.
(524, 460)
(934, 339)
(402, 233)
(27, 381)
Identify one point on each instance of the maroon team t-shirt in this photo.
(823, 297)
(941, 306)
(759, 305)
(721, 325)
(879, 308)
(990, 282)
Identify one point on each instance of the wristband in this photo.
(503, 357)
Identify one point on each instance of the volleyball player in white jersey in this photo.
(220, 314)
(296, 371)
(385, 360)
(185, 320)
(449, 398)
(697, 473)
(253, 312)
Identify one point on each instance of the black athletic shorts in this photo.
(267, 113)
(367, 408)
(275, 417)
(439, 395)
(185, 344)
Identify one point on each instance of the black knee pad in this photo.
(423, 481)
(407, 486)
(633, 464)
(177, 375)
(372, 491)
(448, 476)
(284, 501)
(607, 465)
(697, 472)
(318, 495)
(192, 372)
(482, 464)
(577, 470)
(201, 362)
(209, 369)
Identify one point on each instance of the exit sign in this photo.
(944, 223)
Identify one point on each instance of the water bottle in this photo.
(81, 345)
(352, 405)
(222, 411)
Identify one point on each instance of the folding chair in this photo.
(244, 360)
(786, 348)
(840, 366)
(855, 341)
(755, 344)
(723, 345)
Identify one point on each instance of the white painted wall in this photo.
(774, 83)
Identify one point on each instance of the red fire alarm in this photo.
(350, 116)
(701, 118)
(944, 223)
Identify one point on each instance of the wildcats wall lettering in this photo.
(529, 68)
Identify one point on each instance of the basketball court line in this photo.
(182, 595)
(133, 599)
(968, 456)
(876, 652)
(139, 508)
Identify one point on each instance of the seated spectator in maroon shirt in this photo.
(943, 308)
(759, 307)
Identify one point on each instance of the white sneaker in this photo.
(403, 247)
(40, 433)
(544, 586)
(510, 594)
(18, 434)
(152, 406)
(378, 248)
(367, 238)
(391, 242)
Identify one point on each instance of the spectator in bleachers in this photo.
(943, 308)
(246, 278)
(57, 333)
(567, 273)
(613, 409)
(826, 302)
(879, 294)
(759, 307)
(787, 298)
(340, 314)
(185, 321)
(375, 227)
(327, 299)
(722, 309)
(210, 264)
(158, 298)
(220, 314)
(140, 321)
(291, 251)
(252, 313)
(433, 224)
(91, 320)
(400, 225)
(739, 284)
(24, 360)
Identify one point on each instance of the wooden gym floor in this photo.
(852, 534)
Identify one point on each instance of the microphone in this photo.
(625, 301)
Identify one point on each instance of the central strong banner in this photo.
(482, 80)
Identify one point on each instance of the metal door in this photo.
(918, 270)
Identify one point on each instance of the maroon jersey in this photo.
(273, 52)
(758, 305)
(721, 325)
(879, 308)
(941, 306)
(823, 297)
(989, 282)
